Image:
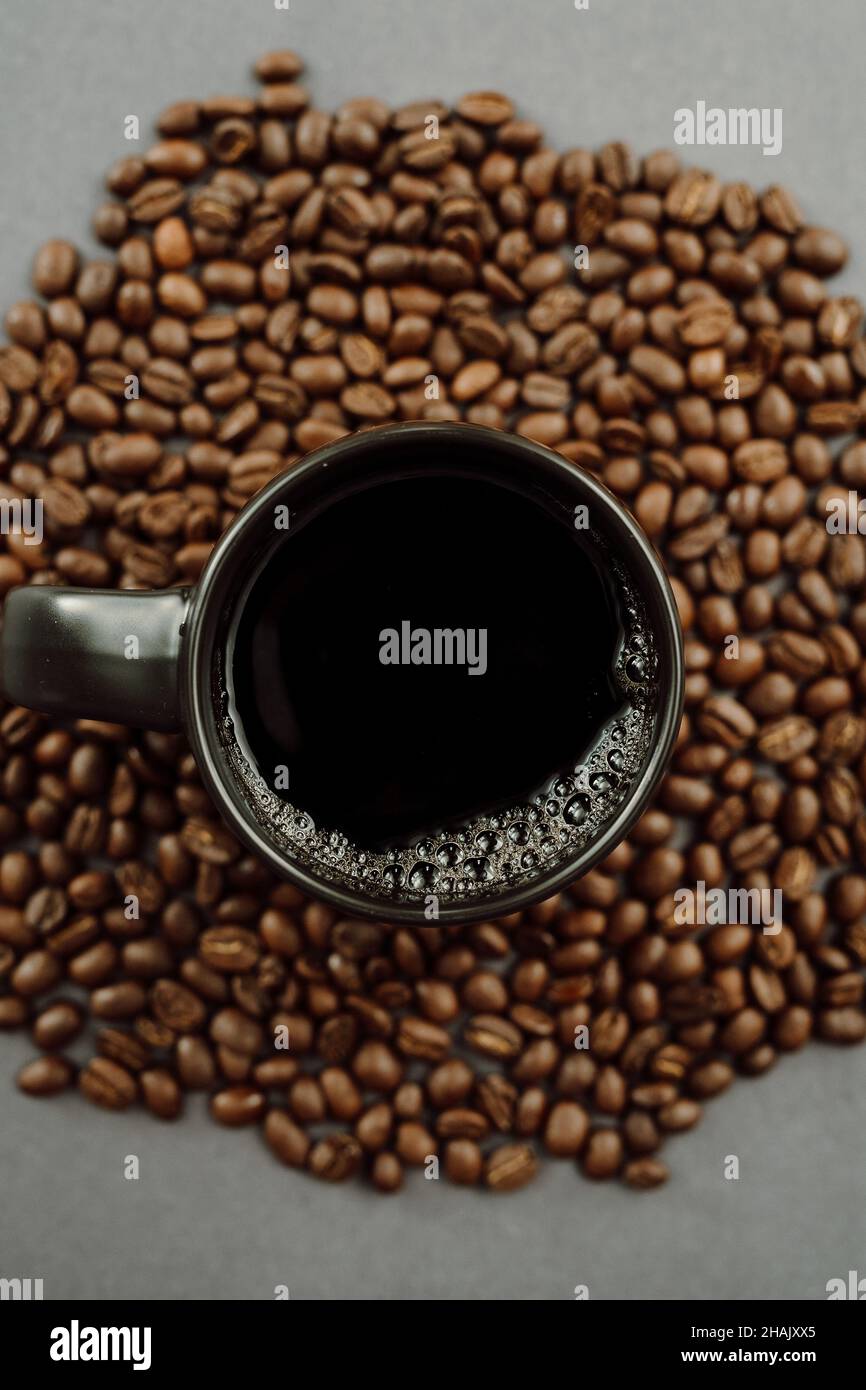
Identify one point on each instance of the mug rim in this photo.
(198, 642)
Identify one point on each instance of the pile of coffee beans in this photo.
(694, 358)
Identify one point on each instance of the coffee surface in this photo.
(421, 652)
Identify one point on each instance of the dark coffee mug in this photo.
(153, 659)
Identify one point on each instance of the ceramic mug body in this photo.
(66, 651)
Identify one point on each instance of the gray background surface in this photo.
(212, 1216)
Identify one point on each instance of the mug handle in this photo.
(108, 654)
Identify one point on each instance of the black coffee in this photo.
(419, 668)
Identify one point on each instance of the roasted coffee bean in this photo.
(122, 1000)
(566, 1129)
(108, 1084)
(57, 1025)
(238, 1105)
(286, 1139)
(46, 1075)
(376, 1067)
(602, 1156)
(413, 264)
(36, 973)
(335, 1158)
(233, 1029)
(418, 1038)
(462, 1122)
(386, 1172)
(645, 1173)
(510, 1167)
(497, 1098)
(493, 1036)
(131, 1052)
(230, 950)
(161, 1093)
(842, 1025)
(464, 1162)
(177, 1006)
(195, 1063)
(710, 1078)
(373, 1128)
(14, 1011)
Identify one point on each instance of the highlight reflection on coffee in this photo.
(438, 684)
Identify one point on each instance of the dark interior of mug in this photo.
(442, 664)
